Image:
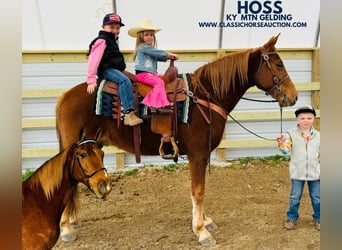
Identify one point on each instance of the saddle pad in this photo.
(106, 98)
(105, 102)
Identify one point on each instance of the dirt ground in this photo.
(152, 210)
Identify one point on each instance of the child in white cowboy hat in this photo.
(146, 57)
(107, 62)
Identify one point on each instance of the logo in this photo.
(114, 18)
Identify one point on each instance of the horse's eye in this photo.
(280, 65)
(83, 155)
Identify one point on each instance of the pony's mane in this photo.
(49, 176)
(219, 72)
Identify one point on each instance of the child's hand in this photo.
(91, 87)
(172, 56)
(280, 138)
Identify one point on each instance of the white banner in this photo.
(191, 24)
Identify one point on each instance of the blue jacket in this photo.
(147, 58)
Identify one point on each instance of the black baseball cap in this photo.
(112, 18)
(305, 109)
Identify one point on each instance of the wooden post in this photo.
(221, 152)
(120, 160)
(315, 77)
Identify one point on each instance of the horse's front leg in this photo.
(68, 232)
(69, 220)
(202, 225)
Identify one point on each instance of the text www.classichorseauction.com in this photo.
(254, 20)
(250, 24)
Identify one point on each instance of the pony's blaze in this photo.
(92, 171)
(100, 184)
(288, 95)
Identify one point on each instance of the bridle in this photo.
(276, 80)
(271, 91)
(87, 177)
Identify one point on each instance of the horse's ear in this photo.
(82, 135)
(271, 43)
(276, 38)
(98, 135)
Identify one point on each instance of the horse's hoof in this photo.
(69, 237)
(208, 242)
(211, 227)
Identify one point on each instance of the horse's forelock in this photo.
(219, 72)
(50, 175)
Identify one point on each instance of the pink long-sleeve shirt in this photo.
(94, 59)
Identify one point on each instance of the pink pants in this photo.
(156, 98)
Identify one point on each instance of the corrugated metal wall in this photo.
(51, 75)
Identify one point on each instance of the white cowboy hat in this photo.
(145, 24)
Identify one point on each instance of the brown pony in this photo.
(46, 192)
(217, 88)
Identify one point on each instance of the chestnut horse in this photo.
(217, 88)
(47, 191)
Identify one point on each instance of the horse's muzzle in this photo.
(103, 189)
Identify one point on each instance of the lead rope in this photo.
(281, 120)
(248, 130)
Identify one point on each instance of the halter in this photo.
(87, 177)
(276, 87)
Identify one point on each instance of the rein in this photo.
(87, 177)
(223, 113)
(248, 130)
(256, 100)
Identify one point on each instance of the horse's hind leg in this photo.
(201, 224)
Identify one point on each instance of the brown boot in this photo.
(131, 119)
(318, 225)
(290, 224)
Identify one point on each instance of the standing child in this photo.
(303, 142)
(107, 62)
(146, 59)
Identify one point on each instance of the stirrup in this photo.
(173, 156)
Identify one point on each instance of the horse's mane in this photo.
(219, 72)
(49, 176)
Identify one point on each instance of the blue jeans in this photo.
(296, 195)
(125, 87)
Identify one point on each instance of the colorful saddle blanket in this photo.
(108, 104)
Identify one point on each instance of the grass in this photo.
(130, 172)
(269, 160)
(171, 167)
(167, 168)
(275, 160)
(27, 174)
